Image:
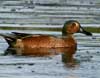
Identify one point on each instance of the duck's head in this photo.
(73, 26)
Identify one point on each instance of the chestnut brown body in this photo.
(45, 41)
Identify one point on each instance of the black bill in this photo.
(85, 32)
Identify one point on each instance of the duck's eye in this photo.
(73, 25)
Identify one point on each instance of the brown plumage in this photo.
(45, 41)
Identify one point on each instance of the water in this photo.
(87, 60)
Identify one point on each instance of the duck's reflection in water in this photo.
(68, 57)
(67, 53)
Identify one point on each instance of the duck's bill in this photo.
(85, 32)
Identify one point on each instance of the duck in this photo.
(31, 41)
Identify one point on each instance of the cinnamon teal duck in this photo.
(41, 45)
(24, 40)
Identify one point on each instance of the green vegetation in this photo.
(91, 29)
(30, 28)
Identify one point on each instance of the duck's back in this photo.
(38, 41)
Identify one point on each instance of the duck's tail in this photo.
(9, 39)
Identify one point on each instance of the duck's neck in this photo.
(67, 36)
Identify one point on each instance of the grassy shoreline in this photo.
(91, 29)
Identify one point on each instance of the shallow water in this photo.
(87, 62)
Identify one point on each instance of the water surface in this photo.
(87, 62)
